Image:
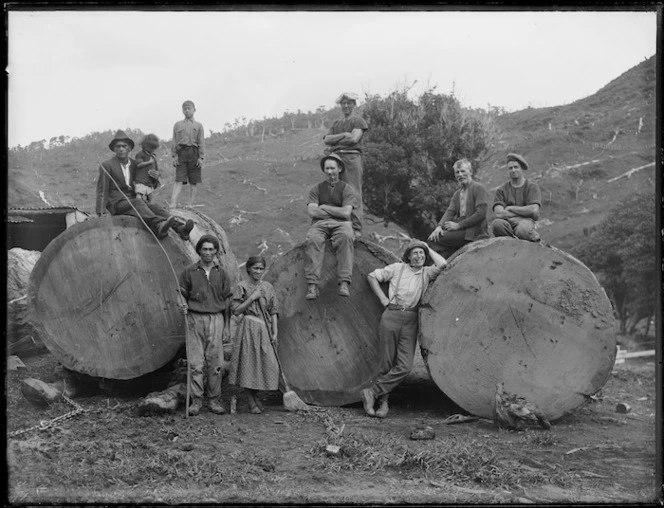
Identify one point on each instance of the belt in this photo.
(347, 151)
(187, 147)
(394, 306)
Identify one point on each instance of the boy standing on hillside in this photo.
(188, 152)
(345, 140)
(517, 203)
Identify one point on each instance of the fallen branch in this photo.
(629, 173)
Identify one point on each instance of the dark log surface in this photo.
(523, 313)
(20, 333)
(103, 297)
(328, 347)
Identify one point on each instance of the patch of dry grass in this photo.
(449, 459)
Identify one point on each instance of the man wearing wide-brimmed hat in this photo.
(330, 207)
(517, 203)
(345, 139)
(115, 192)
(397, 331)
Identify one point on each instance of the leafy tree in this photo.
(621, 251)
(410, 150)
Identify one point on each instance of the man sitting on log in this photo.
(115, 192)
(397, 331)
(517, 203)
(464, 221)
(330, 206)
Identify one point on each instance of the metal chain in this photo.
(47, 424)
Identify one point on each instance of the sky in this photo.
(75, 72)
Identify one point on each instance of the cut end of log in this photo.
(522, 313)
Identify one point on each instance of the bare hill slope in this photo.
(256, 187)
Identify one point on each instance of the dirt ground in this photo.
(110, 454)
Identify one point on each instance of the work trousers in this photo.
(451, 242)
(352, 175)
(205, 353)
(516, 227)
(342, 237)
(397, 336)
(152, 214)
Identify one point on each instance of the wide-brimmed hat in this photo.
(517, 158)
(334, 157)
(348, 95)
(414, 244)
(121, 136)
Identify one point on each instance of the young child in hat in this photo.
(147, 175)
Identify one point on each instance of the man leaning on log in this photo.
(397, 331)
(464, 221)
(115, 192)
(517, 203)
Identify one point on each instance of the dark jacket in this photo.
(108, 194)
(476, 201)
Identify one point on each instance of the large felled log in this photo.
(525, 314)
(21, 336)
(328, 347)
(103, 297)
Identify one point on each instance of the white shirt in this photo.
(412, 285)
(125, 171)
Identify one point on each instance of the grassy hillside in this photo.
(256, 188)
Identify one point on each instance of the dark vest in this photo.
(334, 198)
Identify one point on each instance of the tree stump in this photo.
(522, 313)
(328, 347)
(21, 336)
(103, 297)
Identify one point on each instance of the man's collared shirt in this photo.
(205, 294)
(125, 171)
(412, 284)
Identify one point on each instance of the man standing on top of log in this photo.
(464, 221)
(207, 290)
(397, 331)
(517, 203)
(345, 139)
(115, 192)
(330, 206)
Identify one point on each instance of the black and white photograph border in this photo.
(536, 375)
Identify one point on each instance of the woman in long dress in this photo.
(254, 364)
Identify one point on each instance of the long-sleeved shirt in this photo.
(203, 294)
(188, 132)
